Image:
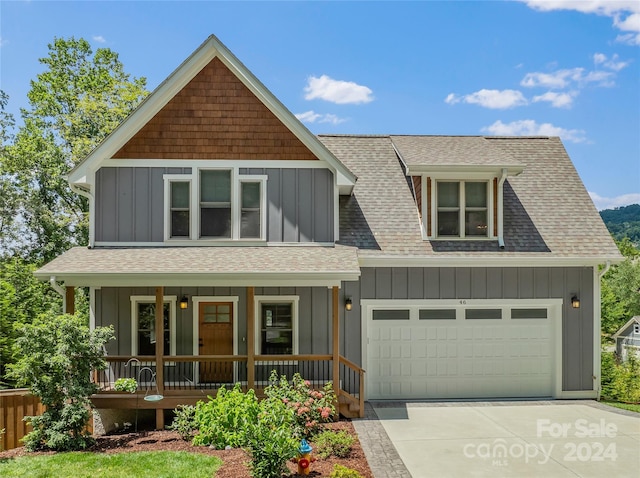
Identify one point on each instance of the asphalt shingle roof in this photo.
(547, 210)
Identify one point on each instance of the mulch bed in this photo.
(234, 461)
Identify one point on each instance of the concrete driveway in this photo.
(547, 439)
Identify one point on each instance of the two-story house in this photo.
(226, 241)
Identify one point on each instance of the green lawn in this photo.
(634, 407)
(159, 464)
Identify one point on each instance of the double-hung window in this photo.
(180, 210)
(277, 332)
(462, 208)
(143, 325)
(215, 204)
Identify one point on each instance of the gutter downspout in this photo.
(597, 319)
(58, 288)
(87, 193)
(503, 177)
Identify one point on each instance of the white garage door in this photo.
(459, 349)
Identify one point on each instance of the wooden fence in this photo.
(14, 405)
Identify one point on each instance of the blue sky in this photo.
(549, 67)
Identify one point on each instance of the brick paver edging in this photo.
(382, 456)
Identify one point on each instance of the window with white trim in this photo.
(223, 206)
(277, 330)
(462, 208)
(180, 209)
(143, 320)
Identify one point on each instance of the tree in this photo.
(57, 356)
(620, 289)
(8, 190)
(74, 104)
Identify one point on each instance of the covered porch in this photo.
(279, 308)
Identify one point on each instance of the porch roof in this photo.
(199, 266)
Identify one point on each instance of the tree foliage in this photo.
(57, 356)
(620, 297)
(73, 105)
(623, 222)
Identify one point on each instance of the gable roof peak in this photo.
(209, 50)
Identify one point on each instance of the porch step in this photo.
(347, 407)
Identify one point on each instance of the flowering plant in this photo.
(311, 407)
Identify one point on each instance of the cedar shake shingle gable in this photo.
(215, 116)
(547, 211)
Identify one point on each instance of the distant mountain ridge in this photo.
(623, 222)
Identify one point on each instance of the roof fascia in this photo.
(457, 169)
(177, 80)
(319, 279)
(470, 261)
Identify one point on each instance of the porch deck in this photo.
(187, 379)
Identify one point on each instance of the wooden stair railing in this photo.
(349, 404)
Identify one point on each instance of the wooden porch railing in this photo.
(193, 377)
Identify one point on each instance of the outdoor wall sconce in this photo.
(348, 304)
(575, 302)
(184, 302)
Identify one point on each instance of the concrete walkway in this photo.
(563, 439)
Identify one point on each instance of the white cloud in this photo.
(618, 201)
(99, 39)
(494, 99)
(531, 128)
(313, 117)
(557, 100)
(625, 13)
(612, 64)
(3, 42)
(337, 91)
(564, 78)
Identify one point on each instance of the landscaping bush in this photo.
(340, 471)
(620, 381)
(224, 421)
(311, 407)
(271, 440)
(58, 356)
(329, 443)
(626, 380)
(126, 385)
(184, 421)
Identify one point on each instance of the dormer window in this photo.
(462, 208)
(224, 205)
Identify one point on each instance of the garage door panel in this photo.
(474, 358)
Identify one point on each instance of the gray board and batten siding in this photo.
(113, 307)
(508, 283)
(130, 204)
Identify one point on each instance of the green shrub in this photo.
(340, 471)
(184, 421)
(330, 443)
(607, 373)
(223, 421)
(58, 354)
(626, 380)
(126, 385)
(311, 407)
(270, 439)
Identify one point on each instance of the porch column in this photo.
(251, 337)
(336, 341)
(159, 326)
(69, 300)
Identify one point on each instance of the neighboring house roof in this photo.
(450, 153)
(548, 214)
(212, 51)
(621, 331)
(191, 266)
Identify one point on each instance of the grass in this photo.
(633, 407)
(158, 464)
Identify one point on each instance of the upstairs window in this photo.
(180, 211)
(215, 204)
(223, 205)
(462, 208)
